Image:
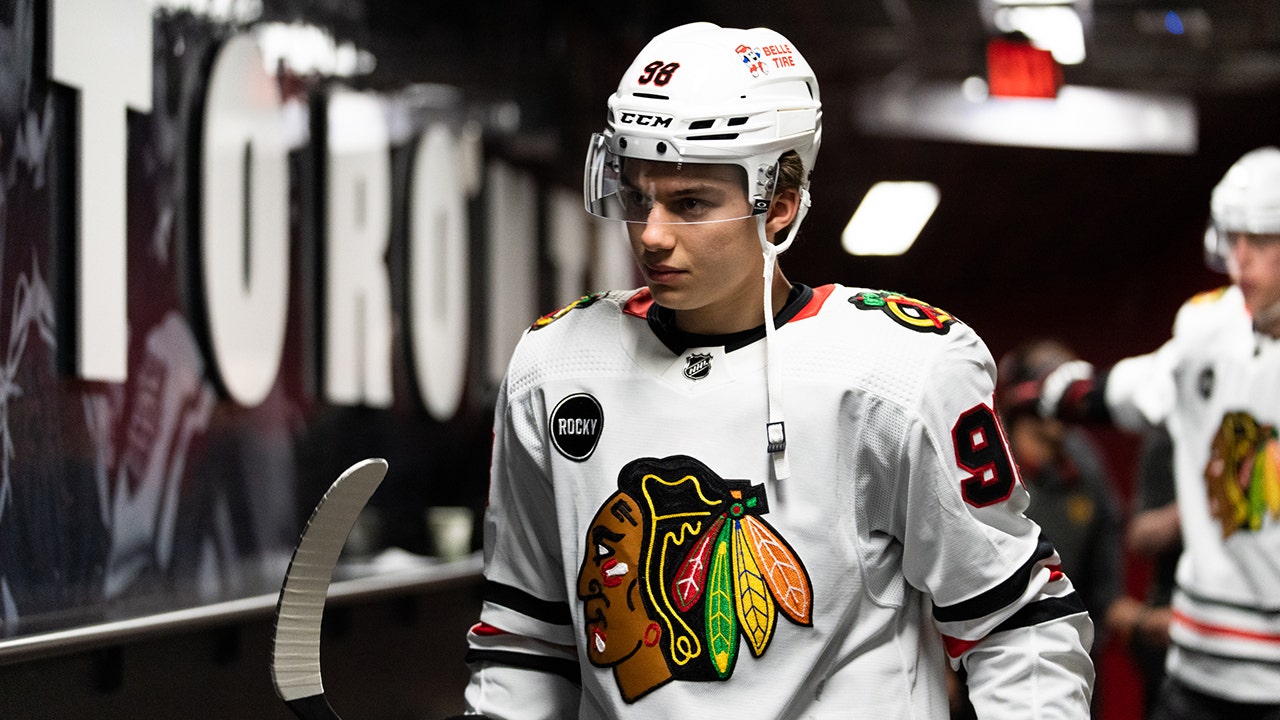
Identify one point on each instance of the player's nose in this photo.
(658, 233)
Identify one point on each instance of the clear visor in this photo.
(637, 190)
(1222, 247)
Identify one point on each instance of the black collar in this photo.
(663, 323)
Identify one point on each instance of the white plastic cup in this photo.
(450, 529)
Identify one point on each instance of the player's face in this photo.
(1255, 267)
(1036, 442)
(695, 261)
(609, 583)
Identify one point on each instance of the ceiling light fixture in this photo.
(890, 218)
(1056, 28)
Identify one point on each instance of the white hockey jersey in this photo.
(1216, 386)
(642, 562)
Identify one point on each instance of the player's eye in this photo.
(694, 208)
(604, 541)
(635, 204)
(633, 198)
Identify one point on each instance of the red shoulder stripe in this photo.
(487, 630)
(811, 308)
(1202, 628)
(957, 647)
(639, 304)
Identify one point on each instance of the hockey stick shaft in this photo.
(295, 643)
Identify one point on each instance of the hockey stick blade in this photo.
(295, 644)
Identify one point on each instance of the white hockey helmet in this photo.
(700, 93)
(1246, 200)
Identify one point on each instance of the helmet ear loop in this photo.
(775, 428)
(1216, 252)
(780, 245)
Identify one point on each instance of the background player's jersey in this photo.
(1216, 385)
(637, 544)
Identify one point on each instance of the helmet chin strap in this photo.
(776, 432)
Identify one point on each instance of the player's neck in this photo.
(1267, 320)
(740, 312)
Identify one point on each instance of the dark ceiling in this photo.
(560, 60)
(1022, 233)
(1224, 44)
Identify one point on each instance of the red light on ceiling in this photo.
(1016, 68)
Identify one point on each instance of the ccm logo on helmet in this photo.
(630, 118)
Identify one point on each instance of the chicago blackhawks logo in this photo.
(584, 301)
(680, 570)
(1243, 474)
(907, 312)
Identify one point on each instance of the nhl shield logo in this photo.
(697, 366)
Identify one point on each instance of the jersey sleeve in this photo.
(522, 656)
(1139, 392)
(1004, 607)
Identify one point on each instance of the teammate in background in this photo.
(1216, 387)
(696, 513)
(1072, 494)
(1142, 626)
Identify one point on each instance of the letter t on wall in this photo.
(102, 48)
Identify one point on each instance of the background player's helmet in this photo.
(1021, 373)
(1247, 199)
(700, 93)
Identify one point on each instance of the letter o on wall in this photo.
(244, 221)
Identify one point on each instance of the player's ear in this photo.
(782, 210)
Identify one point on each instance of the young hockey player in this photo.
(696, 513)
(1215, 385)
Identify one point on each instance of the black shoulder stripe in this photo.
(999, 596)
(567, 669)
(1270, 612)
(548, 611)
(1043, 611)
(1202, 651)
